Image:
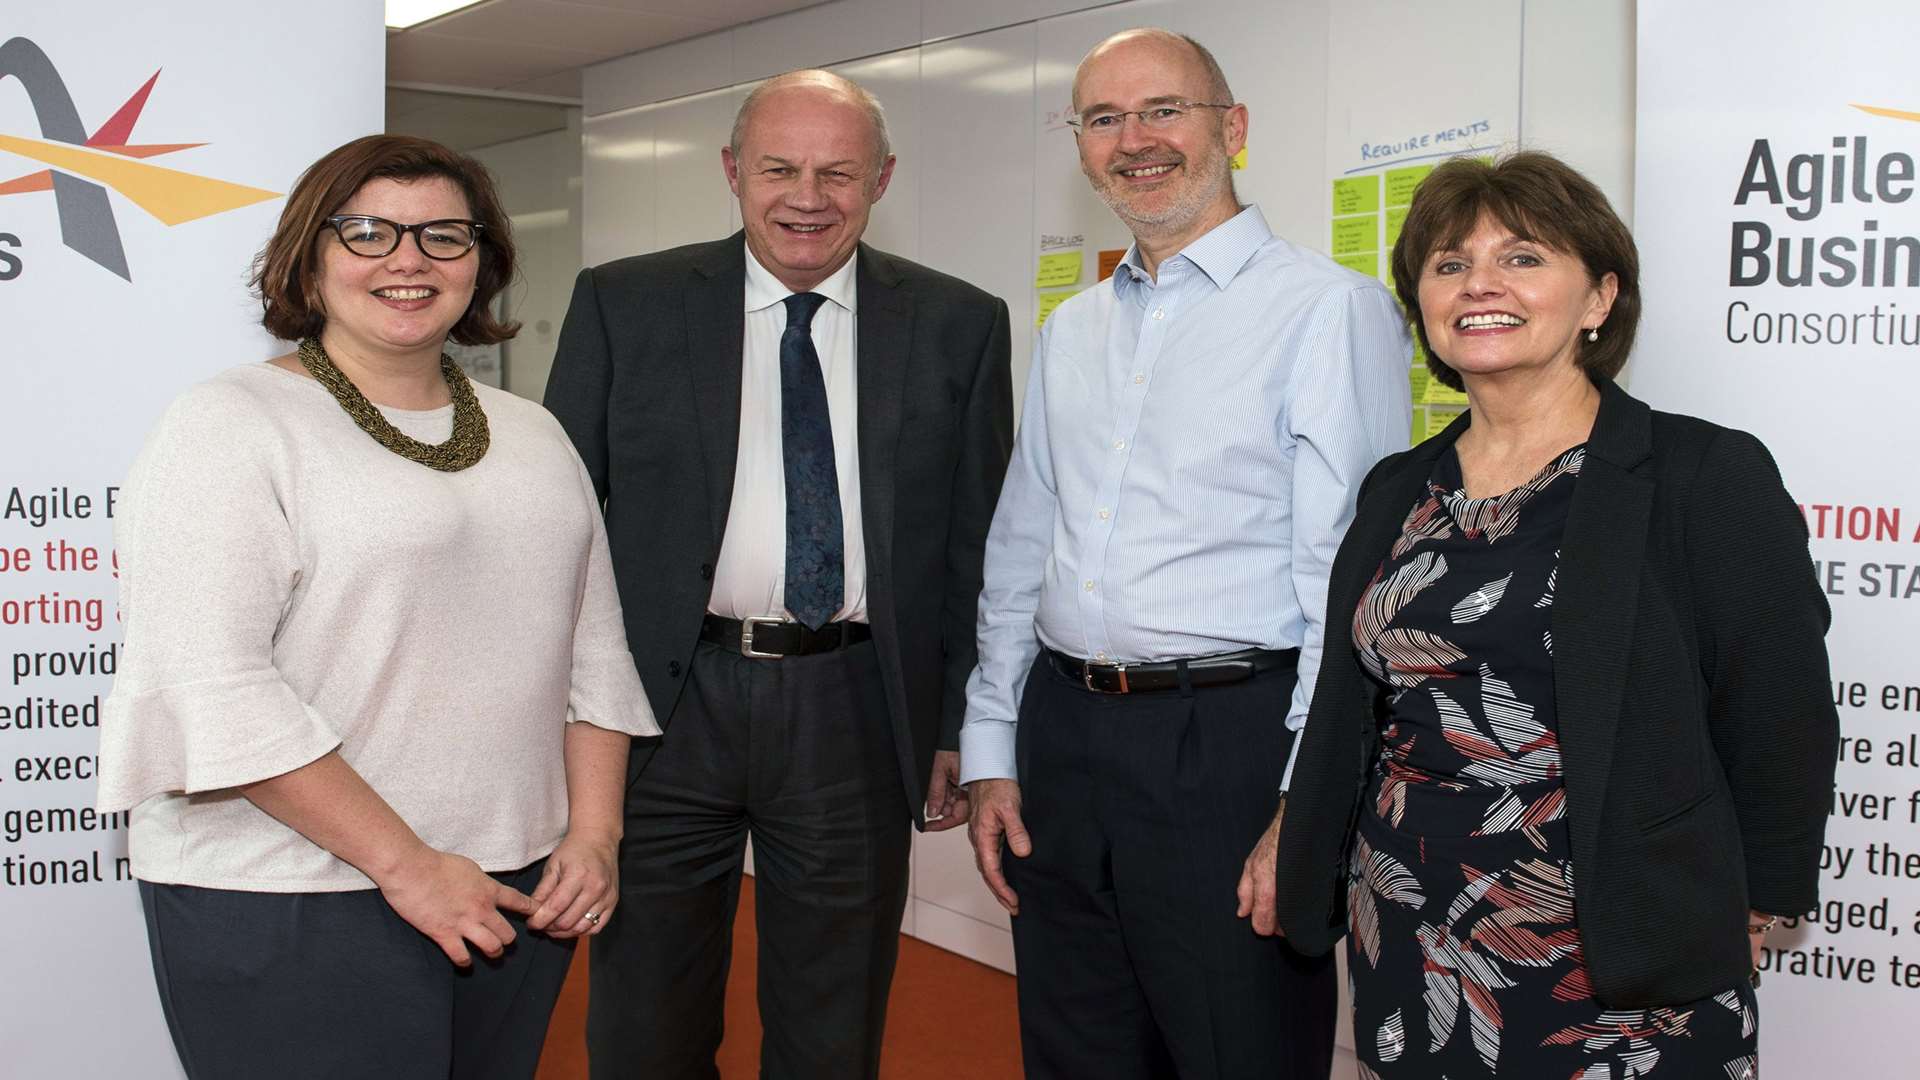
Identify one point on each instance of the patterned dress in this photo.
(1464, 954)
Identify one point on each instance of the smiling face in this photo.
(1496, 304)
(807, 177)
(1159, 181)
(403, 303)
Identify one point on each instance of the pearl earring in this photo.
(1593, 334)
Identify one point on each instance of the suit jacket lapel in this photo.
(884, 340)
(1596, 596)
(716, 317)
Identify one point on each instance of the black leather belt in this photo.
(768, 639)
(1106, 677)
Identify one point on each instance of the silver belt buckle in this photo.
(1086, 675)
(746, 636)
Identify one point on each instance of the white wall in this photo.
(539, 180)
(974, 94)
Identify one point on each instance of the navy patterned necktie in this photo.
(816, 553)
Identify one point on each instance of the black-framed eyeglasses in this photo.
(376, 237)
(1164, 115)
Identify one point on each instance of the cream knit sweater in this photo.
(290, 587)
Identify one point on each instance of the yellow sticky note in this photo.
(1396, 219)
(1057, 268)
(1365, 262)
(1356, 234)
(1239, 160)
(1048, 301)
(1401, 182)
(1356, 195)
(1419, 433)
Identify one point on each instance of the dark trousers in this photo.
(799, 754)
(1142, 809)
(333, 985)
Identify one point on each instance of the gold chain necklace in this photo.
(466, 445)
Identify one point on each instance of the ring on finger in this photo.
(592, 917)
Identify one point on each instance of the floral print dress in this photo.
(1464, 953)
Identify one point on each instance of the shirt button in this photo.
(1159, 313)
(1099, 656)
(1138, 379)
(1087, 584)
(1119, 444)
(1105, 513)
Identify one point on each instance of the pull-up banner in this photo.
(144, 151)
(1777, 175)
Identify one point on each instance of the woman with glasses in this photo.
(376, 701)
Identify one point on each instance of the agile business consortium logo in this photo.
(82, 166)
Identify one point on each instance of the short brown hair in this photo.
(286, 273)
(1542, 199)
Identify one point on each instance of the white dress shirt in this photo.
(750, 578)
(1185, 467)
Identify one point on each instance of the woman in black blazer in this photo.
(1571, 749)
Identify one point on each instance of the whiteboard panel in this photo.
(618, 182)
(977, 222)
(694, 199)
(821, 35)
(1577, 94)
(895, 80)
(643, 78)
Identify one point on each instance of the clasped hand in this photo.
(452, 901)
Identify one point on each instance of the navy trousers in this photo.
(1142, 809)
(332, 985)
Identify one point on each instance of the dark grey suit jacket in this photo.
(1696, 724)
(647, 383)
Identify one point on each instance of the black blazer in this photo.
(1690, 668)
(646, 380)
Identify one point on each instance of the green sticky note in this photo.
(1401, 182)
(1419, 433)
(1438, 417)
(1057, 268)
(1365, 262)
(1048, 301)
(1396, 217)
(1356, 234)
(1439, 393)
(1356, 195)
(1428, 390)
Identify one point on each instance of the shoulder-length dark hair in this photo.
(286, 273)
(1542, 199)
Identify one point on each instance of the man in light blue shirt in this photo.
(1156, 580)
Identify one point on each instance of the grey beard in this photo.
(1175, 215)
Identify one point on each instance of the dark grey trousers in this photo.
(799, 753)
(335, 985)
(1142, 809)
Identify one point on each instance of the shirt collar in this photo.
(1221, 253)
(764, 290)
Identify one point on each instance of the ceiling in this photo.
(537, 47)
(467, 123)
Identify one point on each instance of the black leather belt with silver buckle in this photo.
(768, 639)
(1105, 677)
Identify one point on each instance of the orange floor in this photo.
(950, 1017)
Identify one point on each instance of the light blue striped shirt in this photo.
(1186, 464)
